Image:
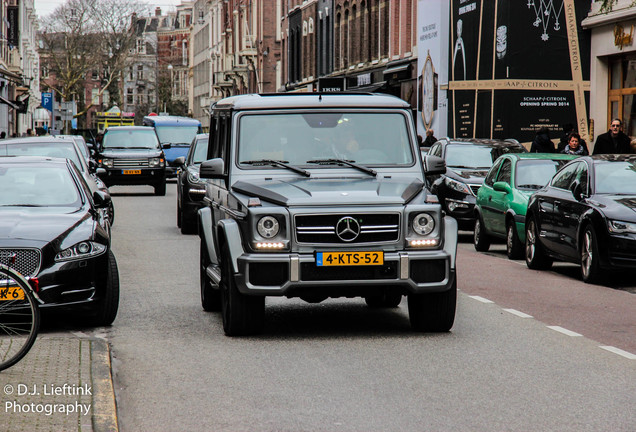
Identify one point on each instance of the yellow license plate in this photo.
(131, 171)
(11, 293)
(349, 258)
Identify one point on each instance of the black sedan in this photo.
(53, 232)
(190, 188)
(585, 215)
(467, 163)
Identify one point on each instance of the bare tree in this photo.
(82, 37)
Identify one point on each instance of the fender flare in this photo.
(205, 233)
(230, 233)
(450, 239)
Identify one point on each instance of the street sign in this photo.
(47, 101)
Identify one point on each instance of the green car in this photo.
(502, 200)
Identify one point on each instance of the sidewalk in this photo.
(63, 384)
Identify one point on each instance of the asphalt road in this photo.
(524, 354)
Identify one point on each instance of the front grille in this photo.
(312, 272)
(130, 163)
(24, 261)
(321, 229)
(474, 188)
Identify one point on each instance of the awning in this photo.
(11, 76)
(396, 69)
(8, 102)
(369, 87)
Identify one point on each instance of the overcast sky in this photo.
(45, 7)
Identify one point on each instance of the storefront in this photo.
(613, 67)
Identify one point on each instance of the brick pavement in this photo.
(63, 384)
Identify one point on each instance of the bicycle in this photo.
(19, 317)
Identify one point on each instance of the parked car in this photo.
(86, 150)
(52, 232)
(175, 135)
(317, 196)
(132, 155)
(502, 201)
(190, 187)
(467, 162)
(59, 147)
(585, 215)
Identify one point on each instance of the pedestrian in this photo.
(568, 128)
(430, 138)
(29, 132)
(613, 141)
(542, 142)
(3, 135)
(574, 146)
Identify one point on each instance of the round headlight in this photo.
(268, 227)
(423, 224)
(84, 248)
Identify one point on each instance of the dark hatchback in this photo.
(467, 162)
(51, 231)
(585, 215)
(132, 155)
(191, 188)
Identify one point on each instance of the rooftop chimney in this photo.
(157, 11)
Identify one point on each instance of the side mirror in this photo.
(180, 161)
(502, 187)
(434, 165)
(101, 199)
(212, 169)
(577, 191)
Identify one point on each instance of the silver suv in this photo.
(317, 196)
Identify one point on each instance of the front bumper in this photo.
(147, 176)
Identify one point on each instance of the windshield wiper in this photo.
(344, 162)
(273, 162)
(529, 186)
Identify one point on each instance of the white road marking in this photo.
(518, 313)
(564, 331)
(481, 299)
(620, 352)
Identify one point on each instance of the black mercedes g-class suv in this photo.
(317, 196)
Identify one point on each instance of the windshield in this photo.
(200, 151)
(59, 149)
(176, 134)
(475, 156)
(363, 138)
(615, 178)
(534, 174)
(131, 138)
(36, 186)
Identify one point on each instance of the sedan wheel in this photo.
(535, 256)
(481, 240)
(590, 268)
(106, 308)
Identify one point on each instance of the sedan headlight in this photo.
(106, 163)
(82, 250)
(268, 227)
(423, 224)
(156, 162)
(457, 185)
(620, 227)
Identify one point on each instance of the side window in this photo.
(505, 171)
(490, 178)
(563, 179)
(213, 141)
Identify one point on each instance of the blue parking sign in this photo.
(47, 101)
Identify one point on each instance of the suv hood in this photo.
(130, 153)
(332, 191)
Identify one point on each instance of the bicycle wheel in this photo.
(19, 317)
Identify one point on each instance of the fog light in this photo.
(424, 243)
(265, 245)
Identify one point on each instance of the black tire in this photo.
(536, 257)
(242, 315)
(178, 215)
(514, 247)
(188, 223)
(19, 318)
(434, 312)
(384, 300)
(481, 240)
(590, 266)
(210, 297)
(106, 308)
(160, 189)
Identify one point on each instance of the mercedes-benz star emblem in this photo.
(347, 229)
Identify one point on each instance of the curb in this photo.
(104, 417)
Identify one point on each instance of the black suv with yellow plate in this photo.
(132, 155)
(317, 196)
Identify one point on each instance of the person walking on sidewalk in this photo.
(613, 141)
(542, 142)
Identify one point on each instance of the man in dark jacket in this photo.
(613, 141)
(542, 142)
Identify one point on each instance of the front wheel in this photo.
(106, 308)
(242, 315)
(160, 189)
(590, 268)
(481, 240)
(536, 258)
(434, 312)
